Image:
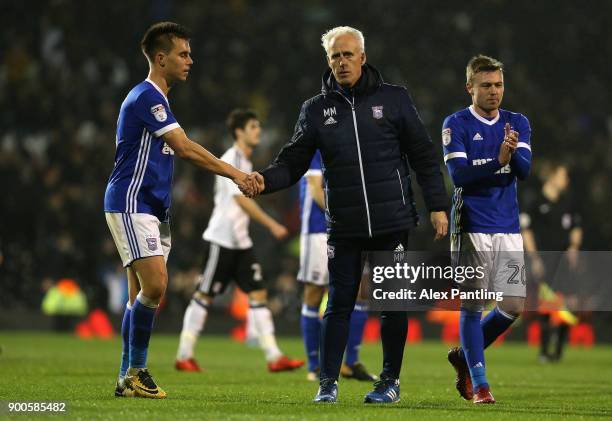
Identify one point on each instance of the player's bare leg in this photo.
(262, 325)
(152, 279)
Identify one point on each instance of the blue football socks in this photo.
(494, 324)
(141, 325)
(357, 323)
(472, 342)
(311, 332)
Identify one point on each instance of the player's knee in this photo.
(472, 305)
(200, 296)
(513, 307)
(313, 294)
(259, 297)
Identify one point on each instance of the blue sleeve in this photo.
(455, 156)
(153, 110)
(315, 165)
(520, 163)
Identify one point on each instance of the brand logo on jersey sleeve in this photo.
(377, 112)
(159, 112)
(446, 136)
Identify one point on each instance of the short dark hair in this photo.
(482, 63)
(238, 119)
(159, 37)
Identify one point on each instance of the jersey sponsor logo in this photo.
(503, 170)
(477, 136)
(328, 112)
(377, 112)
(330, 121)
(167, 150)
(159, 112)
(446, 136)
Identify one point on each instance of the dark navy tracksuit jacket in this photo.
(368, 138)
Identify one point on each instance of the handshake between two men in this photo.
(250, 184)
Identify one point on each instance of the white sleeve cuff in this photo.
(523, 145)
(455, 155)
(166, 129)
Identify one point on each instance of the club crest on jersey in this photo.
(331, 252)
(159, 112)
(446, 136)
(377, 112)
(152, 243)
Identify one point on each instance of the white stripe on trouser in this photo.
(211, 267)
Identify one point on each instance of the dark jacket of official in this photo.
(367, 138)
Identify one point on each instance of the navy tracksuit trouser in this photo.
(346, 258)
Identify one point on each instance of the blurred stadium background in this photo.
(65, 67)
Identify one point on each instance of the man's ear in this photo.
(469, 88)
(160, 58)
(328, 61)
(363, 58)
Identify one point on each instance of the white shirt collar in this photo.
(158, 88)
(481, 118)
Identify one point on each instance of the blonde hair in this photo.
(482, 63)
(328, 36)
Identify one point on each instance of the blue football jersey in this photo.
(142, 176)
(313, 217)
(489, 204)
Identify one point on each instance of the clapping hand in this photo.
(508, 146)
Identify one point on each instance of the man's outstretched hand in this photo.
(250, 184)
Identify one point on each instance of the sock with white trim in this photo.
(311, 331)
(141, 325)
(494, 324)
(264, 326)
(193, 323)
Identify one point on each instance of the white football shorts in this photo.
(138, 235)
(313, 259)
(499, 255)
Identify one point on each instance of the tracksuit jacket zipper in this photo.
(365, 193)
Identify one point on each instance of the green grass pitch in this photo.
(235, 385)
